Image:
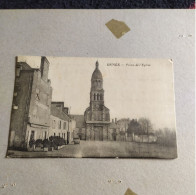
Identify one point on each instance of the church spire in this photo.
(97, 64)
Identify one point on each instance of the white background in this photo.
(154, 34)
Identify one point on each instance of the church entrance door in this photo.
(98, 133)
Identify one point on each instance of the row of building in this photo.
(34, 115)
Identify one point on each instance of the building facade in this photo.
(79, 126)
(61, 123)
(30, 117)
(123, 127)
(97, 115)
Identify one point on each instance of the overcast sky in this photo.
(130, 91)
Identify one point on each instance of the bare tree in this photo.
(145, 125)
(166, 137)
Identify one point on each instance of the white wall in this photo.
(54, 127)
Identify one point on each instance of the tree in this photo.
(166, 137)
(145, 125)
(133, 127)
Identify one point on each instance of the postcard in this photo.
(93, 108)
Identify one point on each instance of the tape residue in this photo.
(129, 192)
(118, 28)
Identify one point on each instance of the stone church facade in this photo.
(97, 115)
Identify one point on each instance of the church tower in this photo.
(97, 116)
(97, 92)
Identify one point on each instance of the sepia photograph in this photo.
(74, 107)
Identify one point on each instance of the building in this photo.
(80, 126)
(151, 138)
(118, 129)
(114, 130)
(60, 122)
(123, 125)
(97, 115)
(30, 116)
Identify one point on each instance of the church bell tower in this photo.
(97, 92)
(97, 115)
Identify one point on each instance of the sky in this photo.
(133, 88)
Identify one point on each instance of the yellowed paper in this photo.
(89, 107)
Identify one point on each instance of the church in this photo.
(97, 115)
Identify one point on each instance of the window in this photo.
(54, 124)
(32, 135)
(59, 124)
(64, 125)
(45, 135)
(59, 135)
(97, 96)
(37, 96)
(94, 96)
(54, 134)
(101, 97)
(99, 83)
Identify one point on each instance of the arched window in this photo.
(100, 83)
(101, 97)
(97, 96)
(94, 96)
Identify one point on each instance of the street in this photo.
(104, 149)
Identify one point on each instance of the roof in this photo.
(58, 112)
(34, 62)
(113, 126)
(24, 66)
(79, 120)
(97, 73)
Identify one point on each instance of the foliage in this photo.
(46, 143)
(57, 141)
(134, 127)
(145, 125)
(31, 143)
(39, 143)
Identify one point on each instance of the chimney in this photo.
(18, 69)
(44, 68)
(66, 110)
